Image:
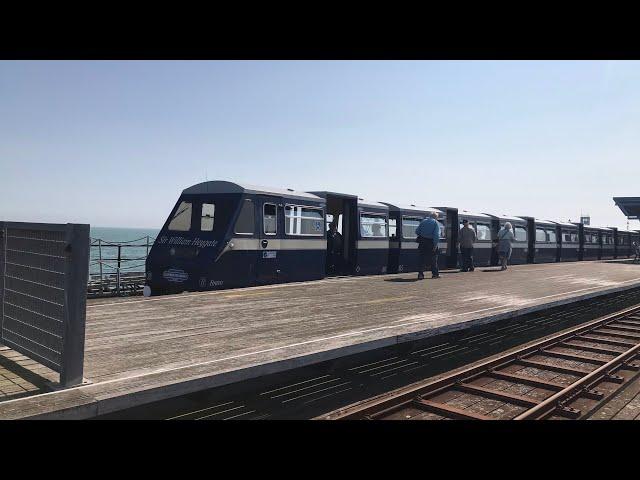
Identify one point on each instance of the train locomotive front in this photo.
(224, 235)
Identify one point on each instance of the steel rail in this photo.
(550, 404)
(371, 408)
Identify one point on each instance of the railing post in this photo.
(71, 370)
(100, 263)
(3, 251)
(118, 281)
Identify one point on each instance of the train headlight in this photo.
(231, 245)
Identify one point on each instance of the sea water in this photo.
(132, 257)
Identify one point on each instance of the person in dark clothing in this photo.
(466, 236)
(428, 233)
(334, 249)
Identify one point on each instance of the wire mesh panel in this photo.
(44, 277)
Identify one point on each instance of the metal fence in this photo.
(117, 268)
(43, 281)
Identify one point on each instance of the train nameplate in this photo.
(269, 254)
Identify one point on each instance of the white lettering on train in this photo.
(188, 242)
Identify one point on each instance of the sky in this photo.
(113, 143)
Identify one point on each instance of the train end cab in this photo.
(222, 234)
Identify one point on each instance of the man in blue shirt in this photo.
(428, 235)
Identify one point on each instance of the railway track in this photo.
(314, 390)
(566, 376)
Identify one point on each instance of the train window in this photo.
(373, 225)
(443, 231)
(300, 220)
(269, 219)
(552, 236)
(574, 237)
(181, 221)
(246, 219)
(541, 235)
(206, 217)
(484, 232)
(521, 234)
(392, 228)
(409, 225)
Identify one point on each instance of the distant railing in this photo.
(117, 268)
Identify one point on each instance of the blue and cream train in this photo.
(225, 235)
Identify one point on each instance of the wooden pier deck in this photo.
(140, 350)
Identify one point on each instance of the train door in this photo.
(342, 211)
(271, 225)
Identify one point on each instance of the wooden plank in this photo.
(554, 368)
(606, 341)
(623, 328)
(498, 394)
(175, 344)
(591, 348)
(538, 382)
(574, 356)
(449, 410)
(609, 332)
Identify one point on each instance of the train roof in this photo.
(539, 221)
(508, 218)
(220, 186)
(473, 214)
(370, 203)
(412, 208)
(565, 224)
(595, 227)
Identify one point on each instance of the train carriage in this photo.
(590, 248)
(569, 237)
(544, 241)
(364, 226)
(403, 247)
(607, 243)
(483, 248)
(623, 244)
(225, 235)
(520, 247)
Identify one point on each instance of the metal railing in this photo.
(43, 278)
(112, 271)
